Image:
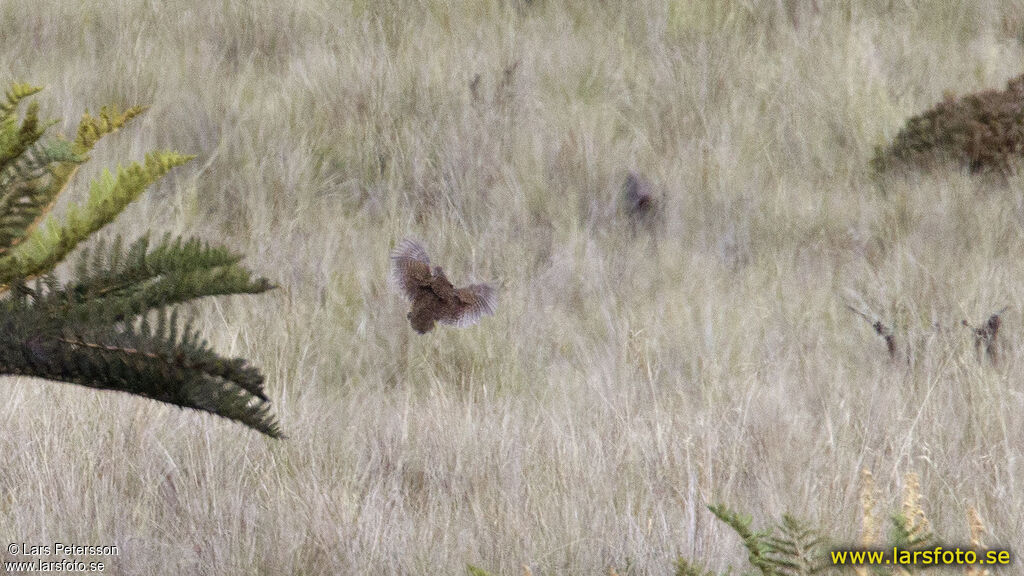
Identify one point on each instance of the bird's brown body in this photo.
(433, 297)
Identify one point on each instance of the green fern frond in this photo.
(31, 129)
(793, 548)
(790, 549)
(154, 357)
(15, 94)
(113, 325)
(15, 140)
(686, 568)
(49, 244)
(181, 372)
(24, 191)
(63, 168)
(123, 284)
(758, 547)
(102, 272)
(474, 571)
(798, 550)
(909, 536)
(110, 120)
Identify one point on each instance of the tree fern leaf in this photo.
(47, 245)
(179, 355)
(755, 542)
(25, 193)
(110, 120)
(31, 129)
(160, 332)
(687, 568)
(34, 162)
(15, 94)
(133, 367)
(111, 288)
(167, 290)
(907, 535)
(114, 326)
(116, 253)
(795, 549)
(15, 142)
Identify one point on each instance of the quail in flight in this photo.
(433, 297)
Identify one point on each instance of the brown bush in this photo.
(982, 131)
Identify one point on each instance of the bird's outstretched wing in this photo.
(410, 268)
(474, 301)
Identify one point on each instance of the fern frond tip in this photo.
(15, 94)
(110, 119)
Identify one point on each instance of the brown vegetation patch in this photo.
(982, 131)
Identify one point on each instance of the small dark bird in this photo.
(641, 202)
(433, 297)
(639, 196)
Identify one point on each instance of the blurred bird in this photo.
(433, 297)
(642, 204)
(638, 195)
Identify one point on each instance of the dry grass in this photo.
(623, 384)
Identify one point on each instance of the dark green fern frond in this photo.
(196, 378)
(102, 271)
(757, 543)
(157, 360)
(116, 284)
(112, 326)
(109, 195)
(163, 291)
(25, 194)
(797, 550)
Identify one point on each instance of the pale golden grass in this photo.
(977, 531)
(623, 384)
(871, 524)
(918, 527)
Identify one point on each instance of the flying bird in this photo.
(433, 297)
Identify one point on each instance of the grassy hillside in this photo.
(627, 380)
